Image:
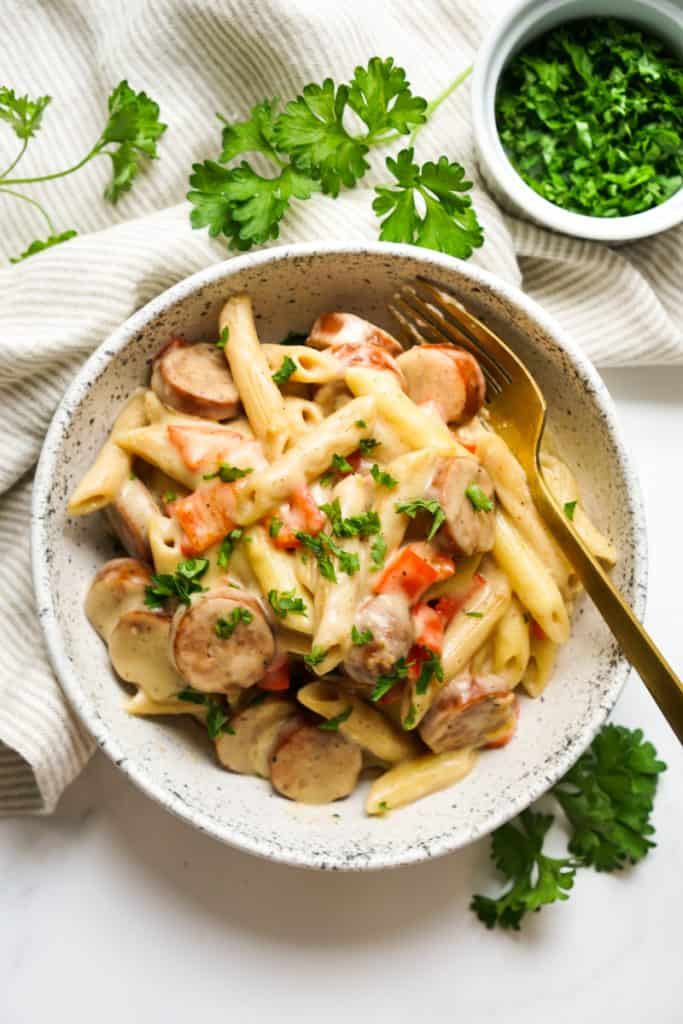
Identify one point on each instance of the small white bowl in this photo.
(171, 760)
(527, 20)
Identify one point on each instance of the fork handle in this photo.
(638, 647)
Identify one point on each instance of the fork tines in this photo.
(428, 315)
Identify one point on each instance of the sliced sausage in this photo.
(118, 586)
(248, 749)
(348, 329)
(138, 648)
(315, 767)
(468, 528)
(448, 376)
(365, 354)
(388, 618)
(469, 713)
(211, 662)
(195, 379)
(129, 517)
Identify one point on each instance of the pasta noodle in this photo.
(327, 575)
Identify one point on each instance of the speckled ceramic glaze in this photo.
(171, 760)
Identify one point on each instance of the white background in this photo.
(113, 911)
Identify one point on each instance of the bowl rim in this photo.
(110, 348)
(491, 59)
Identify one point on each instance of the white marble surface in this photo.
(114, 911)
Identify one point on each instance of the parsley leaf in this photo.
(475, 615)
(179, 585)
(479, 500)
(228, 545)
(569, 509)
(380, 95)
(381, 478)
(255, 135)
(282, 375)
(431, 668)
(133, 127)
(275, 526)
(361, 423)
(217, 721)
(378, 552)
(367, 444)
(384, 683)
(332, 724)
(448, 222)
(285, 602)
(241, 204)
(41, 244)
(223, 338)
(536, 879)
(317, 655)
(431, 505)
(341, 465)
(317, 546)
(358, 638)
(227, 473)
(23, 114)
(363, 525)
(293, 338)
(608, 797)
(224, 628)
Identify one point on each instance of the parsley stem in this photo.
(15, 161)
(434, 104)
(95, 151)
(33, 202)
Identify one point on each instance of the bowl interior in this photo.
(173, 760)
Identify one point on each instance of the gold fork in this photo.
(517, 412)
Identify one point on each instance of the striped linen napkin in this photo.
(622, 305)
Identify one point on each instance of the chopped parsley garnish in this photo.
(285, 602)
(275, 526)
(228, 545)
(384, 683)
(475, 615)
(383, 807)
(590, 117)
(317, 655)
(410, 719)
(368, 444)
(378, 552)
(282, 375)
(570, 509)
(381, 478)
(341, 465)
(179, 585)
(430, 669)
(359, 638)
(223, 337)
(228, 474)
(479, 501)
(361, 424)
(217, 721)
(431, 505)
(363, 525)
(332, 724)
(224, 628)
(323, 547)
(169, 496)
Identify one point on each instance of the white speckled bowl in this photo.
(171, 760)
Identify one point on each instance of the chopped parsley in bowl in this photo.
(590, 115)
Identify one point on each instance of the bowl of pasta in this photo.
(293, 582)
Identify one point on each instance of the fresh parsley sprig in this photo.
(430, 505)
(129, 137)
(310, 147)
(177, 586)
(607, 798)
(217, 720)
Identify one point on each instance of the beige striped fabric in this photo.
(196, 59)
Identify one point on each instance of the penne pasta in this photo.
(113, 466)
(307, 623)
(511, 645)
(365, 725)
(275, 571)
(413, 780)
(312, 454)
(530, 580)
(262, 401)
